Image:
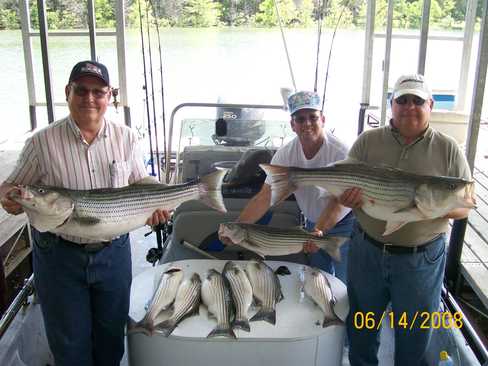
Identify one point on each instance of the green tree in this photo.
(200, 13)
(268, 17)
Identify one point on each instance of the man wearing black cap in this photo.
(83, 286)
(406, 267)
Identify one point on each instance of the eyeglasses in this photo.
(81, 91)
(302, 119)
(415, 100)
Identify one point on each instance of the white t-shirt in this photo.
(312, 200)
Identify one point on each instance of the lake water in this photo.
(235, 65)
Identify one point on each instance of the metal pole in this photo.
(121, 59)
(91, 29)
(45, 59)
(29, 67)
(459, 228)
(368, 61)
(424, 35)
(386, 67)
(470, 21)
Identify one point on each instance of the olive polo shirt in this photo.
(433, 153)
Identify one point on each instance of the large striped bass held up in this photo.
(317, 287)
(389, 194)
(267, 240)
(187, 303)
(217, 298)
(241, 290)
(266, 289)
(102, 214)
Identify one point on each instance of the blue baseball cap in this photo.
(304, 100)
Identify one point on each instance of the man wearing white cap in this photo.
(406, 267)
(313, 147)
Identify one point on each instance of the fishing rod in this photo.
(284, 44)
(330, 50)
(319, 32)
(165, 147)
(145, 89)
(152, 91)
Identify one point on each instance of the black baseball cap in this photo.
(90, 68)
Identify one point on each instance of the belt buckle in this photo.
(385, 245)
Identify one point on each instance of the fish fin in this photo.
(280, 185)
(87, 221)
(148, 180)
(166, 328)
(242, 324)
(222, 332)
(392, 226)
(268, 315)
(210, 188)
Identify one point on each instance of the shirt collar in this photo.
(396, 133)
(77, 132)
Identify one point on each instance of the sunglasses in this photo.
(302, 119)
(415, 100)
(81, 91)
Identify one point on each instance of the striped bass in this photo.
(266, 289)
(162, 299)
(241, 294)
(389, 194)
(187, 303)
(102, 214)
(217, 298)
(266, 240)
(317, 287)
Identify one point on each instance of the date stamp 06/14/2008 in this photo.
(419, 320)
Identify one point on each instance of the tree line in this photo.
(72, 14)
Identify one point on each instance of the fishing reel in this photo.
(162, 231)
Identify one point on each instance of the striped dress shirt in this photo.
(59, 156)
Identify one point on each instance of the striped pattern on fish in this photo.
(266, 290)
(103, 214)
(389, 194)
(241, 294)
(162, 299)
(217, 298)
(267, 240)
(318, 288)
(187, 303)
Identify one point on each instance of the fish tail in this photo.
(280, 185)
(134, 327)
(331, 321)
(222, 331)
(333, 248)
(242, 324)
(268, 315)
(211, 190)
(166, 328)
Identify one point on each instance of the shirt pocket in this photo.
(119, 173)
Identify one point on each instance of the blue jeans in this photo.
(84, 299)
(412, 282)
(324, 261)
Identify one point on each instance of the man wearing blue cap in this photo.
(313, 147)
(83, 285)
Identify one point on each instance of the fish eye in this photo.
(41, 190)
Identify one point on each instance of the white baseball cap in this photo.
(414, 84)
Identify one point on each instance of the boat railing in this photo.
(17, 304)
